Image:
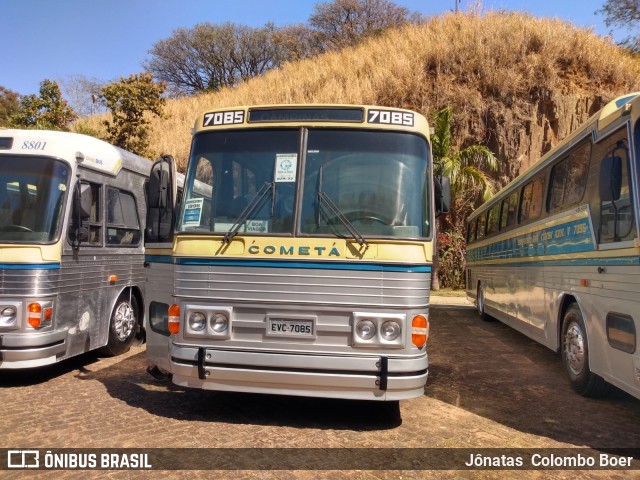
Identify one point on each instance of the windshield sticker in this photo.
(250, 226)
(192, 212)
(286, 166)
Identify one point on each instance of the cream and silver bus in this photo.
(302, 256)
(556, 256)
(71, 254)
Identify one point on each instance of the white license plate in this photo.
(289, 327)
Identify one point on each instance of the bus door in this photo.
(162, 201)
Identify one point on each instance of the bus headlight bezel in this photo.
(211, 321)
(376, 324)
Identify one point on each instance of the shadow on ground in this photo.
(494, 371)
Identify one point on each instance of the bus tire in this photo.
(575, 355)
(480, 305)
(122, 325)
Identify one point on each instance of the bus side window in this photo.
(123, 225)
(509, 211)
(482, 223)
(531, 204)
(493, 219)
(616, 207)
(569, 179)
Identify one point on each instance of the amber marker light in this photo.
(113, 278)
(419, 330)
(35, 315)
(174, 319)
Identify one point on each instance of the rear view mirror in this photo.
(610, 179)
(86, 201)
(442, 187)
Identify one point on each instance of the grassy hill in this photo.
(516, 83)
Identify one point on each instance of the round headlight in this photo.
(8, 315)
(197, 321)
(219, 322)
(366, 329)
(390, 330)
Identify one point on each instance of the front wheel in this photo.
(123, 325)
(575, 356)
(480, 305)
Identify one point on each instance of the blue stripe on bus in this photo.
(158, 259)
(615, 261)
(566, 238)
(29, 266)
(377, 267)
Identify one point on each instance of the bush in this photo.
(451, 249)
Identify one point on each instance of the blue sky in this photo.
(109, 39)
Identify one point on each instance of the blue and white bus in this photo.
(555, 254)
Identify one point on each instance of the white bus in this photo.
(555, 254)
(71, 254)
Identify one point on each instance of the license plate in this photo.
(290, 327)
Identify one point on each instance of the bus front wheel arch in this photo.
(574, 345)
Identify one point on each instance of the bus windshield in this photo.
(250, 181)
(32, 193)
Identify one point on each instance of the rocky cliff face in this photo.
(520, 135)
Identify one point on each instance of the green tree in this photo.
(469, 170)
(9, 105)
(129, 100)
(47, 111)
(624, 14)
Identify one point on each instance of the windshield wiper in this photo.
(337, 213)
(251, 207)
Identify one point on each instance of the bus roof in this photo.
(312, 115)
(74, 148)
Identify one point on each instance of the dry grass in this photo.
(469, 62)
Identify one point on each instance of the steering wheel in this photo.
(16, 228)
(361, 215)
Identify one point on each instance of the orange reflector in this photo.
(584, 282)
(35, 315)
(48, 313)
(113, 278)
(174, 319)
(419, 330)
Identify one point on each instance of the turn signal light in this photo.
(174, 319)
(35, 315)
(419, 330)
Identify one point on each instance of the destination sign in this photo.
(306, 115)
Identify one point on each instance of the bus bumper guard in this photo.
(19, 350)
(368, 376)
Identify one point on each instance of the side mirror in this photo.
(610, 179)
(442, 193)
(85, 201)
(82, 235)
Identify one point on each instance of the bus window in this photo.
(531, 204)
(509, 211)
(492, 222)
(123, 226)
(616, 214)
(569, 179)
(482, 223)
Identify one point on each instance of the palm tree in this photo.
(468, 169)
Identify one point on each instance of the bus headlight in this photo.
(366, 329)
(390, 330)
(197, 321)
(219, 323)
(8, 316)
